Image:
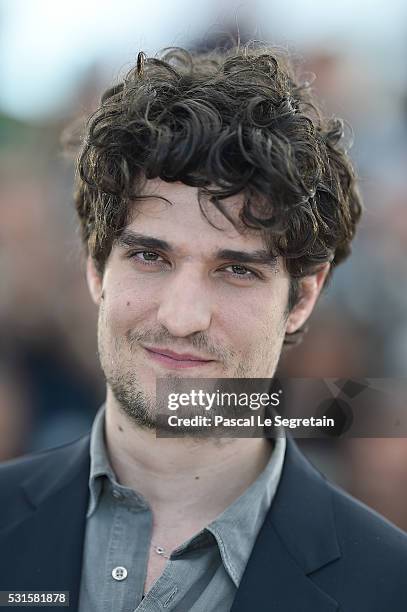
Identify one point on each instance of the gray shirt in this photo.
(202, 575)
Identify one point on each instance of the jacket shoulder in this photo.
(15, 471)
(370, 574)
(361, 528)
(347, 549)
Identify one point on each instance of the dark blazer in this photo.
(318, 550)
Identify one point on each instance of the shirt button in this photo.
(119, 573)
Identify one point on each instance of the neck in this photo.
(198, 478)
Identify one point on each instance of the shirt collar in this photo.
(236, 528)
(99, 462)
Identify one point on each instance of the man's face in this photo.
(181, 298)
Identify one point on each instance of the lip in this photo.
(176, 360)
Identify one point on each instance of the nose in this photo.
(185, 306)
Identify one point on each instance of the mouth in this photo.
(174, 360)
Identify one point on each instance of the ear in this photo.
(94, 280)
(310, 288)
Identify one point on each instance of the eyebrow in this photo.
(131, 239)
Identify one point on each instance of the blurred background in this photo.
(56, 58)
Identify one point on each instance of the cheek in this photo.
(257, 319)
(125, 308)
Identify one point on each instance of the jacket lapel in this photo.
(297, 539)
(54, 500)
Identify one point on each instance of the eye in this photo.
(147, 258)
(241, 272)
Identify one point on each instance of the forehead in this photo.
(179, 219)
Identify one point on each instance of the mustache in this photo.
(198, 341)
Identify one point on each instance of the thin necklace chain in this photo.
(160, 550)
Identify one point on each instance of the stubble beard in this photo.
(140, 407)
(143, 410)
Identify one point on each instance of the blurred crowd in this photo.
(50, 381)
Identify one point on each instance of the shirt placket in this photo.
(127, 554)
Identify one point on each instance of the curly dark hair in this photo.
(237, 121)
